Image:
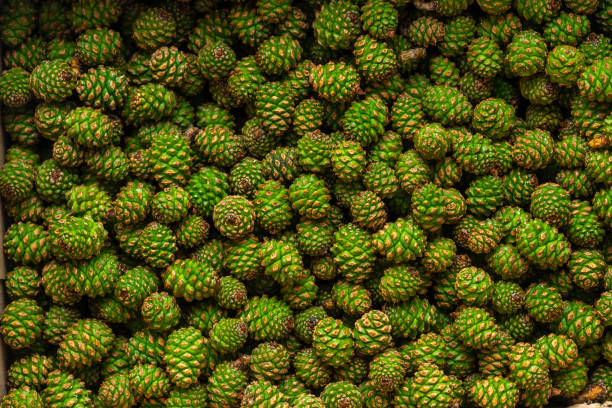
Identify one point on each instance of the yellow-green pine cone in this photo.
(231, 293)
(262, 394)
(375, 60)
(148, 381)
(33, 51)
(170, 205)
(354, 372)
(183, 356)
(282, 261)
(168, 65)
(64, 389)
(55, 281)
(439, 255)
(526, 54)
(335, 81)
(311, 369)
(308, 118)
(484, 195)
(192, 231)
(191, 279)
(372, 333)
(571, 380)
(76, 238)
(153, 27)
(243, 259)
(528, 368)
(402, 318)
(132, 203)
(218, 145)
(494, 118)
(368, 210)
(22, 282)
(246, 176)
(97, 276)
(272, 206)
(411, 171)
(278, 54)
(447, 105)
(551, 203)
(234, 217)
(333, 342)
(267, 318)
(274, 106)
(426, 31)
(459, 31)
(564, 64)
(484, 57)
(538, 89)
(587, 268)
(401, 282)
(22, 397)
(558, 350)
(348, 160)
(226, 385)
(86, 343)
(15, 87)
(432, 388)
(543, 245)
(115, 392)
(160, 311)
(431, 142)
(595, 83)
(156, 245)
(387, 370)
(16, 180)
(379, 18)
(365, 120)
(519, 186)
(309, 197)
(337, 24)
(543, 303)
(380, 178)
(99, 46)
(353, 253)
(341, 394)
(53, 80)
(191, 397)
(314, 238)
(353, 299)
(603, 306)
(21, 323)
(579, 322)
(91, 128)
(476, 328)
(103, 87)
(537, 11)
(474, 286)
(89, 200)
(110, 164)
(146, 346)
(307, 401)
(567, 29)
(400, 241)
(170, 161)
(407, 115)
(270, 361)
(150, 101)
(306, 321)
(216, 60)
(494, 392)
